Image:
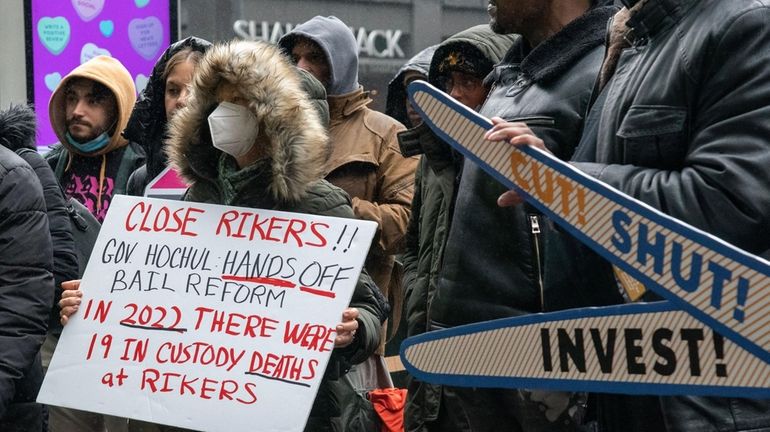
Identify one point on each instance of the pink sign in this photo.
(66, 34)
(166, 185)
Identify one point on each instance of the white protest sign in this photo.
(207, 317)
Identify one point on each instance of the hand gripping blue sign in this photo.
(715, 282)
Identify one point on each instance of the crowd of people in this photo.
(667, 101)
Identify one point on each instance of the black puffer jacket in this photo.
(17, 131)
(26, 290)
(493, 249)
(147, 125)
(684, 126)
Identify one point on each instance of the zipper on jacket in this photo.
(534, 120)
(534, 224)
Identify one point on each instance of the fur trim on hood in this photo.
(105, 70)
(17, 128)
(276, 95)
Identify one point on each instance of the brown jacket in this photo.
(366, 163)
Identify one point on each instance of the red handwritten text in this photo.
(243, 224)
(155, 381)
(147, 218)
(234, 324)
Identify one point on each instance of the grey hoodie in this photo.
(338, 43)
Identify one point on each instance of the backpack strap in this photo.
(62, 155)
(61, 163)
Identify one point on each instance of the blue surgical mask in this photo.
(95, 144)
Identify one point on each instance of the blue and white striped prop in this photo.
(715, 282)
(645, 348)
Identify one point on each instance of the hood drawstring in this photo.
(102, 172)
(69, 162)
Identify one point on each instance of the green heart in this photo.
(54, 33)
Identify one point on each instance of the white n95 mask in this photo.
(234, 129)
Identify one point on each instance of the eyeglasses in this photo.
(461, 82)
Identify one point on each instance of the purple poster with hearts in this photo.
(67, 33)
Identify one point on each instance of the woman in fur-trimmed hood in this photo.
(277, 95)
(277, 166)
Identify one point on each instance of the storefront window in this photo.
(388, 32)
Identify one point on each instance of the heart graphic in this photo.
(54, 33)
(146, 36)
(107, 27)
(88, 9)
(52, 80)
(90, 51)
(141, 3)
(141, 82)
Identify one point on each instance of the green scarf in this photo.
(247, 186)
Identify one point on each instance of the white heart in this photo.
(141, 82)
(90, 51)
(52, 80)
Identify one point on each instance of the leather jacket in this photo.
(494, 258)
(683, 126)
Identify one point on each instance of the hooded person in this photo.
(544, 80)
(148, 122)
(365, 160)
(474, 52)
(397, 104)
(17, 133)
(26, 277)
(89, 109)
(279, 168)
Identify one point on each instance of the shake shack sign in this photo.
(371, 43)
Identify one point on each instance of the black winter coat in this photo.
(26, 290)
(683, 126)
(498, 251)
(436, 182)
(65, 259)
